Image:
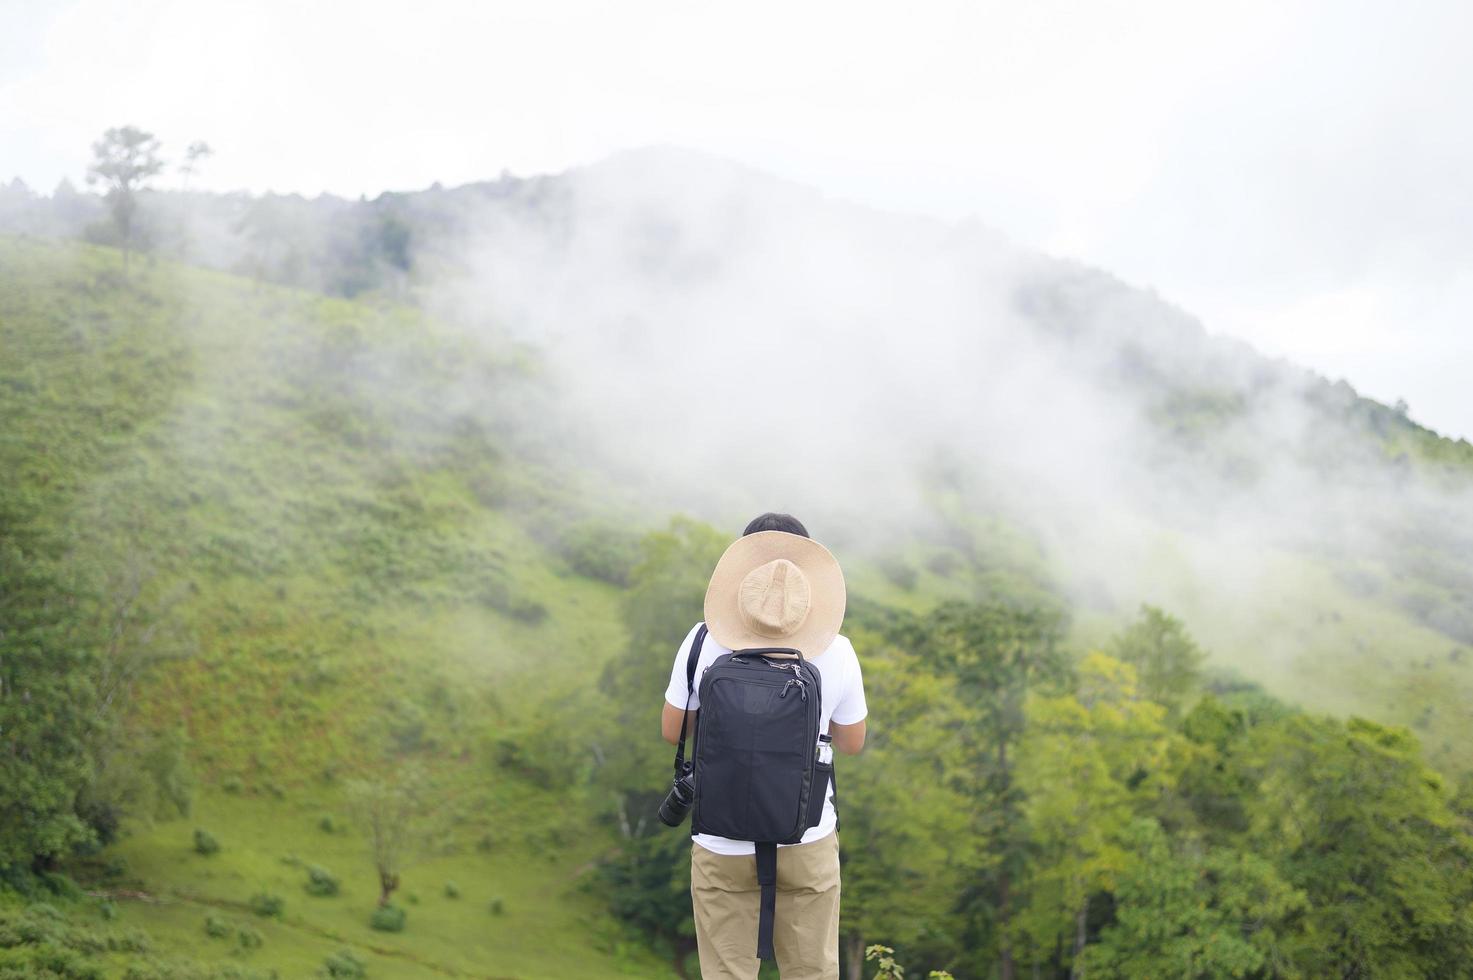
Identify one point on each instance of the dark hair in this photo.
(776, 522)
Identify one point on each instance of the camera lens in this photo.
(677, 804)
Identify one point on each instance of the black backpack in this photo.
(757, 771)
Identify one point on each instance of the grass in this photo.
(340, 599)
(547, 926)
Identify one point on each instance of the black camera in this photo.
(682, 794)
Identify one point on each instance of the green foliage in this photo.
(218, 928)
(900, 572)
(601, 551)
(452, 890)
(907, 836)
(1221, 913)
(1089, 763)
(647, 885)
(123, 160)
(390, 813)
(388, 918)
(999, 655)
(665, 601)
(42, 942)
(343, 965)
(205, 842)
(1351, 816)
(1167, 661)
(268, 905)
(888, 968)
(321, 882)
(884, 959)
(49, 715)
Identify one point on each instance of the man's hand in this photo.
(848, 739)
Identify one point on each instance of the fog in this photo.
(716, 341)
(734, 342)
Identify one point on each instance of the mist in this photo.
(715, 341)
(732, 342)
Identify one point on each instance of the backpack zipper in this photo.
(801, 684)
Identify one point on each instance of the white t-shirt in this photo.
(843, 702)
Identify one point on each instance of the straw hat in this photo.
(775, 589)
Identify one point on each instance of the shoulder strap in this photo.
(690, 684)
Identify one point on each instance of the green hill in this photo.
(333, 540)
(318, 584)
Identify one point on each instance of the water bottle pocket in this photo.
(822, 776)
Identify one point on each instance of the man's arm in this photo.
(670, 723)
(848, 739)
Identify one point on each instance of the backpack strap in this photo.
(767, 879)
(690, 686)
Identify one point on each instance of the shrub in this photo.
(899, 572)
(232, 784)
(205, 842)
(216, 927)
(132, 941)
(343, 964)
(944, 563)
(321, 882)
(327, 824)
(497, 907)
(388, 918)
(452, 890)
(601, 551)
(268, 905)
(497, 594)
(249, 938)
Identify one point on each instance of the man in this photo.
(774, 587)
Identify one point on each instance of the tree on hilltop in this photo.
(194, 157)
(124, 159)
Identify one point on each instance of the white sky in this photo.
(1296, 174)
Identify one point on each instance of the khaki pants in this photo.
(805, 934)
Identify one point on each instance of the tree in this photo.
(1351, 815)
(1167, 660)
(194, 157)
(665, 600)
(48, 702)
(997, 654)
(906, 815)
(1088, 765)
(649, 878)
(1219, 913)
(390, 813)
(648, 886)
(124, 159)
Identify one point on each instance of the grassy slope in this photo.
(346, 591)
